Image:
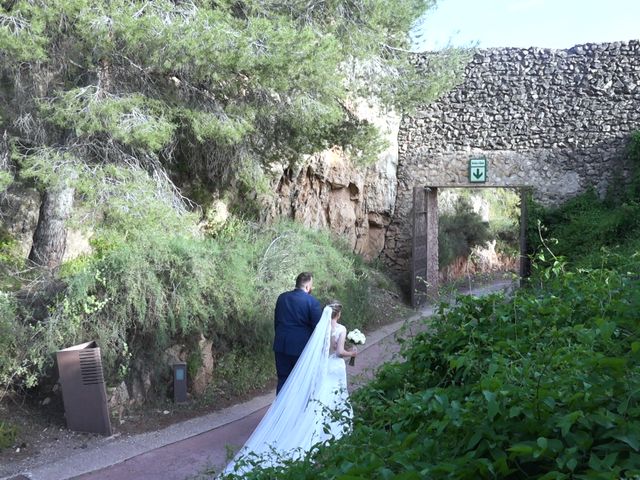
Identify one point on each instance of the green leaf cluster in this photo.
(459, 232)
(8, 433)
(200, 86)
(586, 230)
(20, 360)
(144, 290)
(134, 120)
(591, 229)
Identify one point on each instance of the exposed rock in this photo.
(141, 384)
(329, 190)
(374, 243)
(118, 400)
(204, 374)
(341, 215)
(174, 354)
(77, 244)
(19, 210)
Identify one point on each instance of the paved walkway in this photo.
(188, 449)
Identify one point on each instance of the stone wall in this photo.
(553, 120)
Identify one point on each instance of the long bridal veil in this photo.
(296, 419)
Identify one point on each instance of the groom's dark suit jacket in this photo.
(296, 315)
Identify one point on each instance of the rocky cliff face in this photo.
(329, 191)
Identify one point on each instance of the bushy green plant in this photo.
(582, 226)
(22, 357)
(587, 223)
(633, 152)
(138, 297)
(147, 294)
(8, 435)
(133, 119)
(459, 232)
(10, 260)
(239, 372)
(504, 223)
(6, 178)
(339, 273)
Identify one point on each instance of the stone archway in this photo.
(557, 121)
(424, 253)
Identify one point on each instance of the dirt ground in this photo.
(41, 428)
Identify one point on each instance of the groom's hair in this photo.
(303, 279)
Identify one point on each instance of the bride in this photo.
(312, 406)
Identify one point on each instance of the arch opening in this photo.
(469, 215)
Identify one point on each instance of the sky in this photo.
(527, 23)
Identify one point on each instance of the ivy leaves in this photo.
(547, 395)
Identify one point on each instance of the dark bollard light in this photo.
(179, 382)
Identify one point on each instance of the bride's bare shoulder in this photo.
(338, 329)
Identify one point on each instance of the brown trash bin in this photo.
(83, 388)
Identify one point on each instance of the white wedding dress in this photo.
(312, 406)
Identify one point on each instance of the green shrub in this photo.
(238, 372)
(10, 261)
(459, 232)
(581, 227)
(633, 152)
(8, 435)
(140, 297)
(22, 357)
(586, 224)
(6, 179)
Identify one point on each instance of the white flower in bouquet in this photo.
(357, 338)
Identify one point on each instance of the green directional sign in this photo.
(478, 170)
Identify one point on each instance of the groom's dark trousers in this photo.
(296, 315)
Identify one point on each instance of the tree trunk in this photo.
(50, 237)
(5, 152)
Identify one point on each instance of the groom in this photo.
(296, 315)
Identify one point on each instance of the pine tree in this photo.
(196, 89)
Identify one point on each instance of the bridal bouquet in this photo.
(357, 338)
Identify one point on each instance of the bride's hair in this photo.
(336, 306)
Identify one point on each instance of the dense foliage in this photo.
(211, 91)
(541, 384)
(138, 296)
(145, 113)
(460, 231)
(139, 108)
(472, 220)
(588, 225)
